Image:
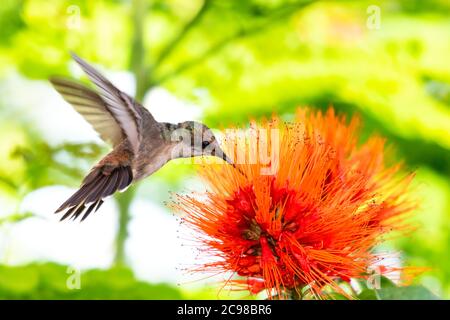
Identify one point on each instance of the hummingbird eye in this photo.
(205, 144)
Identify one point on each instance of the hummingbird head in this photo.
(198, 140)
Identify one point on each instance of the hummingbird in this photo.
(141, 145)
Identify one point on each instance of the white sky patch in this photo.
(165, 107)
(44, 238)
(39, 104)
(154, 249)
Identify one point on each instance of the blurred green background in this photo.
(221, 62)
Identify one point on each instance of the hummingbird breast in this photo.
(151, 157)
(155, 148)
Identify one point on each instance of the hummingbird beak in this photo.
(227, 159)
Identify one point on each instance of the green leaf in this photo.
(368, 294)
(406, 293)
(386, 283)
(49, 281)
(389, 291)
(18, 280)
(335, 296)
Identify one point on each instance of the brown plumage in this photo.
(141, 145)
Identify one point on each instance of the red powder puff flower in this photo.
(312, 221)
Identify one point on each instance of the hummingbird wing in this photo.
(123, 108)
(91, 106)
(96, 186)
(113, 173)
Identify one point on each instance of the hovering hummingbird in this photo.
(141, 145)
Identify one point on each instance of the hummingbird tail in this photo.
(100, 183)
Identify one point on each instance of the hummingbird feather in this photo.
(97, 186)
(123, 108)
(91, 106)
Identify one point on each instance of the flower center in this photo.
(261, 237)
(253, 232)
